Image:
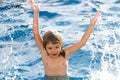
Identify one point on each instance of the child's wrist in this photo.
(36, 12)
(92, 25)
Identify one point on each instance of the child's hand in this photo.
(94, 19)
(34, 6)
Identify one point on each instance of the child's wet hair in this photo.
(54, 37)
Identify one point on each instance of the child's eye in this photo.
(49, 48)
(57, 47)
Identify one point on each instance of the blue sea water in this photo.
(99, 59)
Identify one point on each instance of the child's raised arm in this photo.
(85, 37)
(38, 38)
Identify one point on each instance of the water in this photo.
(99, 59)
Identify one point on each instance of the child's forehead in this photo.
(53, 42)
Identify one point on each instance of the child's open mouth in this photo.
(54, 54)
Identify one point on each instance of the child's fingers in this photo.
(32, 2)
(91, 18)
(97, 13)
(96, 16)
(38, 5)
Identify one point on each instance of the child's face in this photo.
(53, 49)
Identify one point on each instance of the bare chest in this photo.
(56, 65)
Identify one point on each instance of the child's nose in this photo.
(54, 50)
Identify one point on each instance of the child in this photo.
(54, 56)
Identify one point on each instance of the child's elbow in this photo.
(83, 43)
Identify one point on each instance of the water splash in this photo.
(98, 60)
